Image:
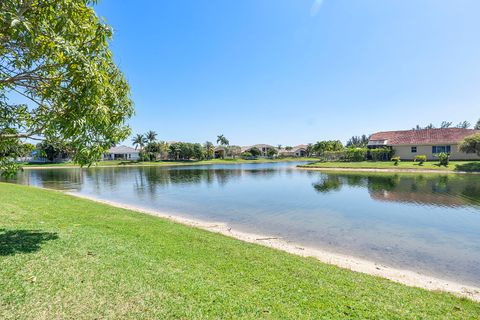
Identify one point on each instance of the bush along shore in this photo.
(65, 257)
(398, 165)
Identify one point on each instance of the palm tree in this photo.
(151, 136)
(210, 149)
(139, 141)
(279, 147)
(223, 142)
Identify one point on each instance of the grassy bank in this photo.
(119, 163)
(63, 257)
(466, 166)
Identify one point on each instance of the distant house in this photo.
(430, 142)
(121, 153)
(297, 151)
(264, 148)
(220, 152)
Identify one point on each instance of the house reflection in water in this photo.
(430, 189)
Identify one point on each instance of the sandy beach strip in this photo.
(406, 277)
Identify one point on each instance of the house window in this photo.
(440, 149)
(414, 149)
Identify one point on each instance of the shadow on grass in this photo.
(468, 167)
(23, 241)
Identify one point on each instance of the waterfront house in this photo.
(220, 152)
(264, 148)
(297, 151)
(429, 142)
(121, 153)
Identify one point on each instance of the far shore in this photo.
(462, 167)
(406, 277)
(124, 164)
(384, 170)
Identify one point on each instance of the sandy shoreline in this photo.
(406, 277)
(385, 170)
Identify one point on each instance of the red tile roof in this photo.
(425, 136)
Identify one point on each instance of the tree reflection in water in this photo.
(440, 190)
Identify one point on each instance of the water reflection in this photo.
(435, 190)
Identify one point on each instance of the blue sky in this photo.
(296, 71)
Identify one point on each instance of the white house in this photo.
(121, 153)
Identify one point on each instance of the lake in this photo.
(422, 222)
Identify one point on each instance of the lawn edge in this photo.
(405, 277)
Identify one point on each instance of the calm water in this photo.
(428, 223)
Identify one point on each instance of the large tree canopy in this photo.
(471, 144)
(58, 79)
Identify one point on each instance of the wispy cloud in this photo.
(316, 6)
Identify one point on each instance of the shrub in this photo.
(255, 151)
(376, 154)
(333, 156)
(380, 154)
(356, 154)
(246, 155)
(420, 159)
(396, 160)
(471, 144)
(444, 158)
(272, 153)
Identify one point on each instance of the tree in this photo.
(54, 150)
(309, 149)
(224, 143)
(164, 147)
(255, 152)
(272, 153)
(151, 136)
(186, 151)
(198, 151)
(463, 125)
(234, 151)
(209, 150)
(471, 144)
(246, 155)
(10, 151)
(279, 147)
(443, 125)
(288, 148)
(222, 140)
(175, 150)
(56, 55)
(139, 141)
(331, 145)
(477, 125)
(358, 141)
(446, 124)
(154, 150)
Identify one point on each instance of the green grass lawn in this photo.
(468, 166)
(166, 163)
(64, 257)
